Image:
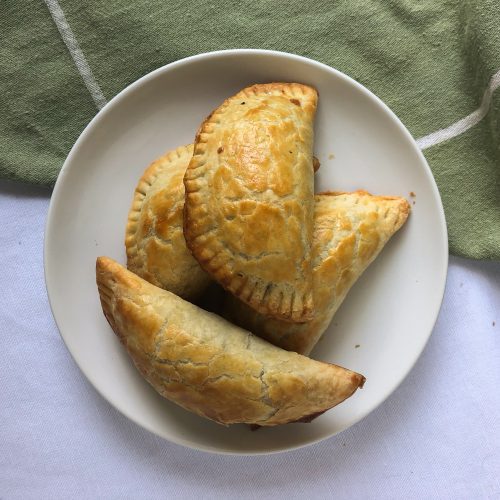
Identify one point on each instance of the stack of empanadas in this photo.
(238, 208)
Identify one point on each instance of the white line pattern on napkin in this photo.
(76, 52)
(424, 142)
(465, 123)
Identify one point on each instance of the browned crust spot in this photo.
(316, 164)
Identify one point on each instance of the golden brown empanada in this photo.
(209, 366)
(248, 216)
(350, 230)
(156, 249)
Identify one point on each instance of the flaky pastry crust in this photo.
(154, 240)
(209, 366)
(248, 215)
(350, 230)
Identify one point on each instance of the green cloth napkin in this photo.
(435, 63)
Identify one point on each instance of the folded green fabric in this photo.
(435, 63)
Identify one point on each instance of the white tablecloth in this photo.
(437, 436)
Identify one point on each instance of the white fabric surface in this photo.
(437, 436)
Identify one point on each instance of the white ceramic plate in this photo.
(389, 313)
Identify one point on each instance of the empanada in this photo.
(248, 216)
(209, 366)
(156, 249)
(350, 229)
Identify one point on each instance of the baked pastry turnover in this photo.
(248, 215)
(209, 366)
(350, 230)
(156, 249)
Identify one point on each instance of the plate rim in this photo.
(115, 101)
